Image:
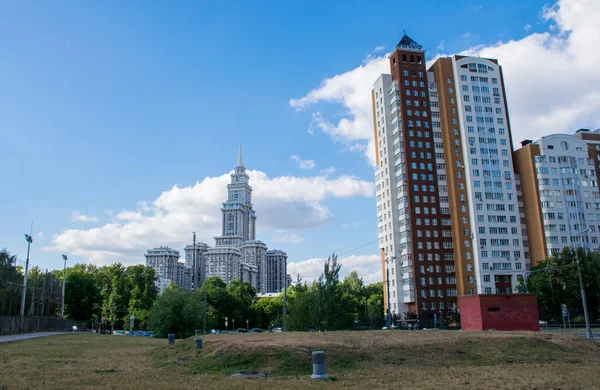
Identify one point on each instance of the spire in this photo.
(239, 163)
(408, 43)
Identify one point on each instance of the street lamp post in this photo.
(194, 270)
(284, 302)
(62, 310)
(387, 280)
(588, 329)
(29, 240)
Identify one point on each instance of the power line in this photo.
(362, 246)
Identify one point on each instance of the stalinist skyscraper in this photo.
(237, 254)
(239, 219)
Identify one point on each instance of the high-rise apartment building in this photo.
(183, 277)
(164, 261)
(276, 271)
(255, 254)
(417, 256)
(448, 212)
(471, 117)
(559, 182)
(200, 273)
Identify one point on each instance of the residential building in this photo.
(200, 273)
(448, 203)
(237, 254)
(559, 181)
(471, 115)
(255, 253)
(164, 261)
(224, 262)
(416, 247)
(184, 276)
(276, 264)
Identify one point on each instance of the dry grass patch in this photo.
(378, 359)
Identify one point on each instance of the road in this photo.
(26, 336)
(574, 332)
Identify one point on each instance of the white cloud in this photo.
(303, 164)
(378, 49)
(441, 45)
(552, 81)
(467, 34)
(346, 226)
(368, 267)
(78, 217)
(281, 203)
(41, 235)
(290, 238)
(352, 89)
(527, 27)
(328, 171)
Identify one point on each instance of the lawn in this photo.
(377, 359)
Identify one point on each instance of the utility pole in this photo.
(284, 303)
(194, 270)
(388, 317)
(205, 308)
(588, 329)
(29, 240)
(62, 310)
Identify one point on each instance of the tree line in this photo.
(555, 281)
(111, 294)
(44, 289)
(327, 303)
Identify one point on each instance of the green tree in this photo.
(354, 294)
(11, 281)
(556, 281)
(221, 303)
(176, 311)
(140, 281)
(114, 293)
(242, 296)
(268, 312)
(375, 311)
(82, 292)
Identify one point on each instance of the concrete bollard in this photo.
(198, 332)
(171, 338)
(318, 358)
(198, 341)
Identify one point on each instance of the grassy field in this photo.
(378, 359)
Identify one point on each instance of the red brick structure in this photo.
(499, 312)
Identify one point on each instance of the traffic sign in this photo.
(565, 310)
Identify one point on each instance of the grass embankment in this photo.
(376, 359)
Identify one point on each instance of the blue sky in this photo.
(106, 105)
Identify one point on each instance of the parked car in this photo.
(147, 333)
(119, 333)
(215, 331)
(130, 333)
(138, 333)
(275, 330)
(241, 330)
(256, 330)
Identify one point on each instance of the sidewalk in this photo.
(26, 336)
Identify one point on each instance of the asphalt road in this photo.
(26, 336)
